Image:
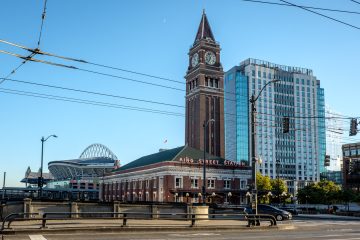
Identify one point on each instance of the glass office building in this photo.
(334, 138)
(237, 116)
(295, 156)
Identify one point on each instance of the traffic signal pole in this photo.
(253, 157)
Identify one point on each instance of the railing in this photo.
(252, 219)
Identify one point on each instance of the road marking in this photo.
(37, 237)
(194, 234)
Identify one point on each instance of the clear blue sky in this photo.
(151, 37)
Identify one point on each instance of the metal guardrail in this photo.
(252, 219)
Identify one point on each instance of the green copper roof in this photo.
(165, 156)
(162, 156)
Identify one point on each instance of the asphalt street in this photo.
(301, 230)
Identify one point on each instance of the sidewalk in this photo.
(326, 217)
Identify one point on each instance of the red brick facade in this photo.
(177, 182)
(205, 93)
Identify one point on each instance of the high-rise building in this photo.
(298, 155)
(334, 138)
(205, 93)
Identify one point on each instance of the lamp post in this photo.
(41, 182)
(253, 100)
(229, 197)
(204, 162)
(212, 197)
(278, 179)
(269, 195)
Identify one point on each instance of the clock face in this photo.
(210, 58)
(195, 60)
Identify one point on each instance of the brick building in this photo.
(175, 175)
(205, 93)
(351, 166)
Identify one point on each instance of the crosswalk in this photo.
(37, 237)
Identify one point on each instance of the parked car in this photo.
(291, 210)
(278, 213)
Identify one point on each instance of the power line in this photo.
(129, 79)
(355, 1)
(89, 102)
(32, 54)
(86, 70)
(320, 14)
(93, 93)
(106, 104)
(308, 7)
(38, 51)
(42, 23)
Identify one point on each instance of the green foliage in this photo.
(268, 189)
(263, 183)
(325, 192)
(278, 186)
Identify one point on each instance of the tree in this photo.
(263, 184)
(325, 192)
(279, 188)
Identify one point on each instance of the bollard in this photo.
(192, 220)
(43, 221)
(124, 219)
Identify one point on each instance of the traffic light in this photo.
(353, 127)
(286, 124)
(40, 183)
(327, 161)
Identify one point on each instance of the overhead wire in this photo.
(84, 101)
(38, 51)
(93, 93)
(323, 15)
(154, 102)
(106, 104)
(309, 7)
(90, 71)
(32, 54)
(355, 1)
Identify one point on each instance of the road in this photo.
(299, 230)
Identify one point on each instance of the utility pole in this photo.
(253, 157)
(41, 182)
(3, 192)
(253, 146)
(206, 123)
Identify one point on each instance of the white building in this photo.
(297, 156)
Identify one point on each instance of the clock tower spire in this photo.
(205, 93)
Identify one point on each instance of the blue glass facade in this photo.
(296, 155)
(236, 116)
(242, 117)
(321, 128)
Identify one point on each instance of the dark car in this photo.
(291, 210)
(278, 213)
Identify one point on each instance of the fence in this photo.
(251, 219)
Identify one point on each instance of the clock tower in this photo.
(205, 93)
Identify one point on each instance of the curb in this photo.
(139, 228)
(319, 217)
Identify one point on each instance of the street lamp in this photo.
(253, 99)
(229, 196)
(41, 182)
(204, 164)
(278, 179)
